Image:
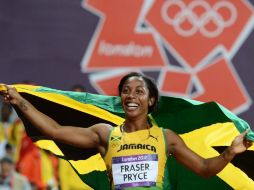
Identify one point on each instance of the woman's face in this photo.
(135, 97)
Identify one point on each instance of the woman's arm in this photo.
(201, 166)
(92, 137)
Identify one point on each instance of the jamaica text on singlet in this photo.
(137, 146)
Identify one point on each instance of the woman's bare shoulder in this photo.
(171, 136)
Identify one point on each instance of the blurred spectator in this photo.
(16, 132)
(6, 111)
(5, 114)
(37, 165)
(9, 178)
(9, 150)
(78, 88)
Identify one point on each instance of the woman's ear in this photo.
(151, 101)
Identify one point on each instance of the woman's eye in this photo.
(125, 91)
(139, 91)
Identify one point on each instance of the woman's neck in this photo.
(136, 125)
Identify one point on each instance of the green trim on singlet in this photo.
(109, 137)
(166, 180)
(166, 142)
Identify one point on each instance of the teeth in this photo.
(132, 105)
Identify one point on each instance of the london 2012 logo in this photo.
(188, 45)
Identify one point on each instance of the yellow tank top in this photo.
(136, 159)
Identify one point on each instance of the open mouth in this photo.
(131, 106)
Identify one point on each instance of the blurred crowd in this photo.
(23, 166)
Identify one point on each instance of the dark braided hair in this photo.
(151, 85)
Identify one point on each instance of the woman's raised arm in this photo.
(95, 136)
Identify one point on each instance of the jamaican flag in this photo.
(207, 128)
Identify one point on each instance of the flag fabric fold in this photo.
(207, 128)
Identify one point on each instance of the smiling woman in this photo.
(136, 151)
(146, 85)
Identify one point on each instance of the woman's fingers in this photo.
(6, 91)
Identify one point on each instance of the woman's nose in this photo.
(131, 95)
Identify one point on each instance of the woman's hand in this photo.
(240, 143)
(11, 95)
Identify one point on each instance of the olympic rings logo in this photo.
(198, 22)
